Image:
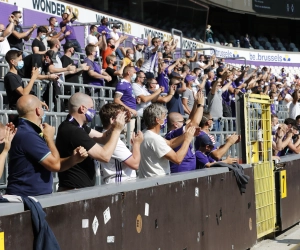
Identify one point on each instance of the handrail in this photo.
(181, 40)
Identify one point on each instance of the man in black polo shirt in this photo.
(74, 131)
(16, 38)
(39, 61)
(67, 60)
(38, 47)
(13, 82)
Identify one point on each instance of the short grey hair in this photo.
(152, 112)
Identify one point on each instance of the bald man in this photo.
(33, 155)
(74, 131)
(177, 126)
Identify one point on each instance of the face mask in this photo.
(112, 46)
(20, 21)
(156, 86)
(139, 50)
(1, 33)
(275, 98)
(44, 117)
(274, 128)
(133, 77)
(43, 37)
(131, 56)
(187, 56)
(90, 114)
(56, 24)
(20, 65)
(194, 85)
(107, 23)
(162, 126)
(219, 90)
(115, 64)
(1, 147)
(95, 33)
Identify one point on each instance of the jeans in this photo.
(119, 53)
(210, 40)
(216, 127)
(77, 46)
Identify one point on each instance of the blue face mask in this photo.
(162, 126)
(20, 65)
(90, 114)
(43, 37)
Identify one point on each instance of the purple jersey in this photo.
(202, 159)
(125, 89)
(189, 161)
(70, 28)
(87, 79)
(163, 80)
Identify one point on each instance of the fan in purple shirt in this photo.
(177, 127)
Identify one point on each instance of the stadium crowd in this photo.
(186, 94)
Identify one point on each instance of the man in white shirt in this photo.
(93, 39)
(141, 91)
(123, 163)
(4, 33)
(295, 105)
(156, 152)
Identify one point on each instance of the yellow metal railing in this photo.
(259, 154)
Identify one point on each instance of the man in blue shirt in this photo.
(177, 127)
(33, 155)
(203, 147)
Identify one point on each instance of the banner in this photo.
(132, 29)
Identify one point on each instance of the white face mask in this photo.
(274, 128)
(1, 33)
(56, 24)
(156, 86)
(20, 21)
(219, 90)
(275, 98)
(133, 77)
(131, 56)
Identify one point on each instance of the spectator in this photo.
(204, 146)
(175, 105)
(52, 30)
(138, 49)
(190, 58)
(4, 34)
(112, 72)
(294, 110)
(156, 152)
(151, 59)
(177, 126)
(141, 92)
(13, 82)
(218, 151)
(38, 46)
(7, 134)
(104, 27)
(209, 34)
(124, 92)
(211, 78)
(67, 20)
(123, 163)
(188, 98)
(215, 101)
(94, 39)
(109, 47)
(95, 75)
(67, 60)
(74, 132)
(16, 38)
(30, 167)
(247, 43)
(129, 57)
(124, 95)
(139, 64)
(201, 64)
(114, 35)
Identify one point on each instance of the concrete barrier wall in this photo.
(201, 209)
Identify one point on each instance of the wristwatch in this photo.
(199, 105)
